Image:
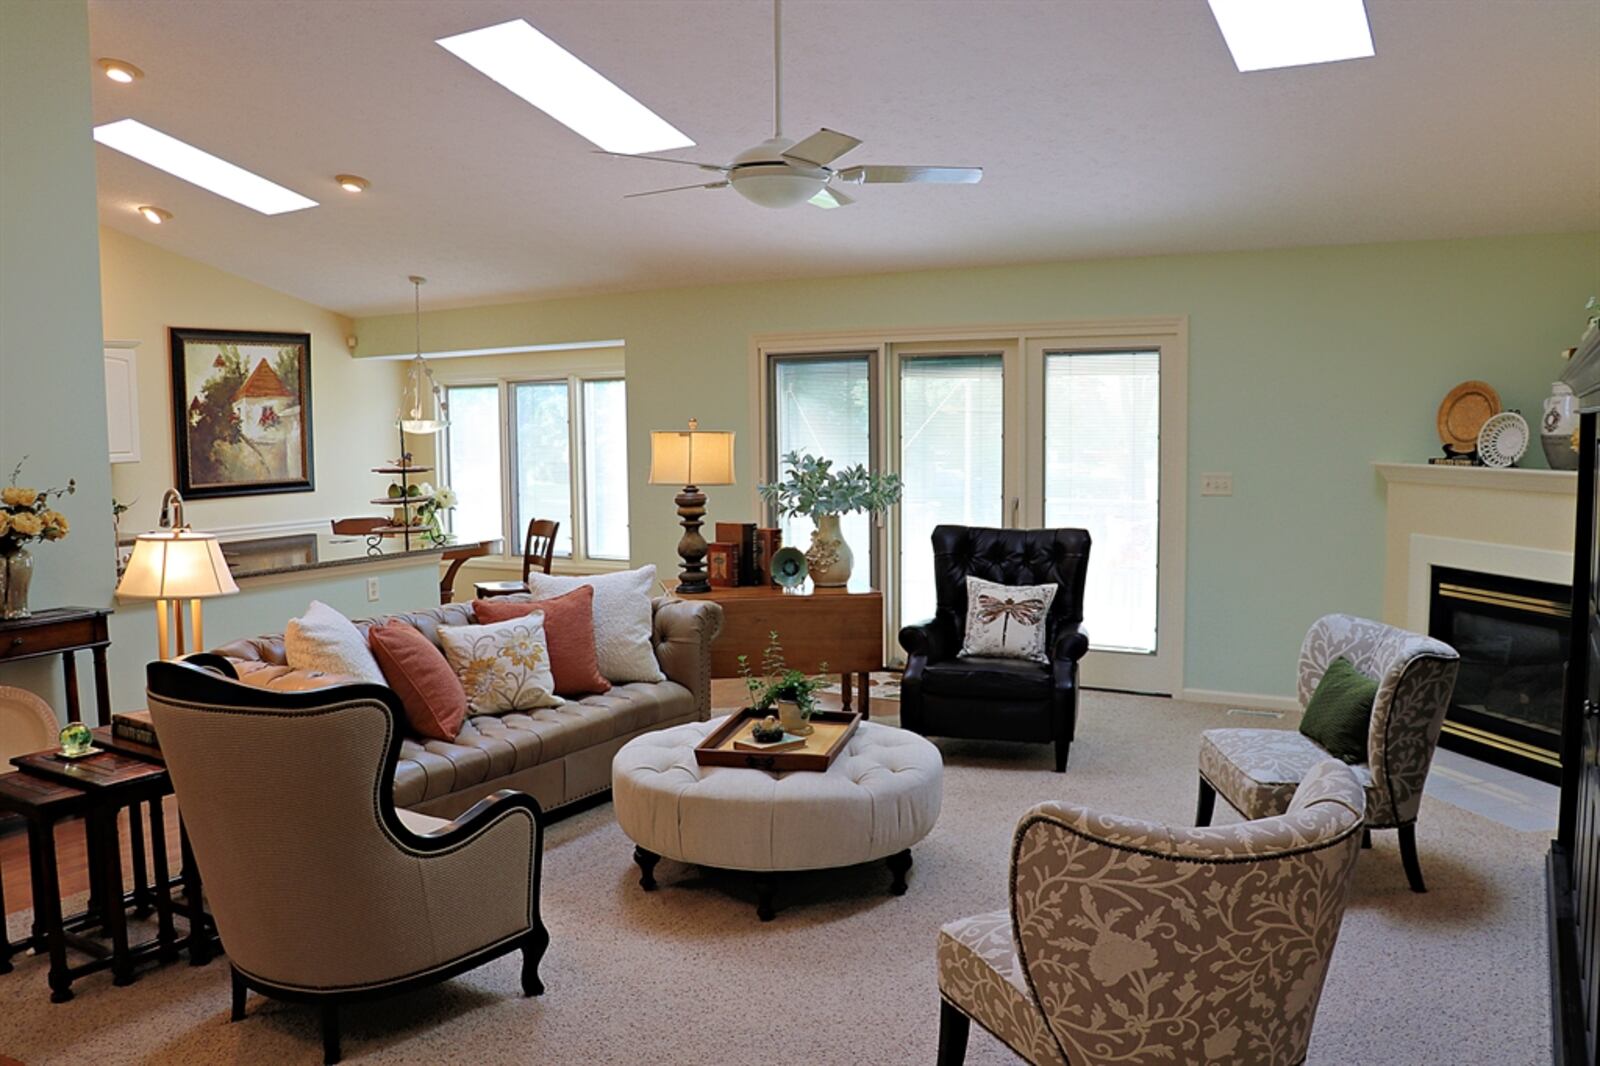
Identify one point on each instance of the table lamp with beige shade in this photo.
(691, 458)
(175, 564)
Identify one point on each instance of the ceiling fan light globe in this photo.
(776, 189)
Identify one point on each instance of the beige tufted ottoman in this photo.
(880, 796)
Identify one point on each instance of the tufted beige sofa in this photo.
(557, 754)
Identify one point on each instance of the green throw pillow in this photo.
(1339, 713)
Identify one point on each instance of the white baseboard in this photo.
(1240, 699)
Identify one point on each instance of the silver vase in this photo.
(16, 573)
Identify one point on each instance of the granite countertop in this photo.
(261, 556)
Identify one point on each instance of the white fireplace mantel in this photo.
(1513, 522)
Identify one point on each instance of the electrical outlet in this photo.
(372, 590)
(1216, 484)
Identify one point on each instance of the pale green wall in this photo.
(1304, 367)
(52, 377)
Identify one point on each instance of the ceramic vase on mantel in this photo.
(16, 573)
(829, 557)
(1558, 429)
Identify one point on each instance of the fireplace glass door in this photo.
(1514, 636)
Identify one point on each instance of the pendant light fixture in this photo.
(425, 410)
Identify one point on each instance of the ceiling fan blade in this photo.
(714, 167)
(676, 188)
(922, 175)
(821, 148)
(830, 198)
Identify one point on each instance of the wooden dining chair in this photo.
(357, 527)
(538, 549)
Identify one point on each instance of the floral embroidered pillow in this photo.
(1007, 621)
(504, 666)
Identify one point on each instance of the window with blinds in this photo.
(1102, 438)
(952, 438)
(472, 461)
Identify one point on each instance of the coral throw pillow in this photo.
(434, 700)
(623, 619)
(503, 667)
(569, 630)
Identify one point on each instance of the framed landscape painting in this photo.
(241, 412)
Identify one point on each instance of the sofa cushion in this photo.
(504, 666)
(434, 701)
(1339, 713)
(1258, 770)
(623, 619)
(1007, 621)
(490, 747)
(984, 677)
(323, 639)
(569, 630)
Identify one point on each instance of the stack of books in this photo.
(135, 726)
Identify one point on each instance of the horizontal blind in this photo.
(605, 468)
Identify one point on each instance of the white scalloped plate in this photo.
(1503, 439)
(27, 724)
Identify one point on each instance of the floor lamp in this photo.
(172, 565)
(691, 459)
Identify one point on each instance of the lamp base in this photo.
(692, 546)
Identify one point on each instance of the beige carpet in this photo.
(845, 975)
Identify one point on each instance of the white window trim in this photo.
(1169, 333)
(510, 559)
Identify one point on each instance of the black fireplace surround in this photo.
(1514, 636)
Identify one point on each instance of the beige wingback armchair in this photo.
(1134, 943)
(1257, 770)
(321, 890)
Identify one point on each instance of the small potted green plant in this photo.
(811, 487)
(793, 692)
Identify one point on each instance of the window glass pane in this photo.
(823, 407)
(472, 461)
(1102, 413)
(605, 468)
(951, 440)
(543, 465)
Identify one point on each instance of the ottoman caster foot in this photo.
(899, 866)
(765, 889)
(647, 868)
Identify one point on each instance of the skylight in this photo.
(1267, 34)
(185, 161)
(564, 87)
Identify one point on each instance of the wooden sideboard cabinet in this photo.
(842, 630)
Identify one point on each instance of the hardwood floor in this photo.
(71, 857)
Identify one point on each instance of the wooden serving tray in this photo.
(831, 730)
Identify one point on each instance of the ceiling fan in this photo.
(779, 172)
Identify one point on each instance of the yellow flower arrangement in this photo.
(26, 514)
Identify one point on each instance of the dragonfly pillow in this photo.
(1007, 621)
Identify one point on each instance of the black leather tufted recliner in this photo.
(998, 699)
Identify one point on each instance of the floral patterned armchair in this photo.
(1130, 942)
(1256, 770)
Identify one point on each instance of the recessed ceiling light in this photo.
(185, 161)
(564, 87)
(351, 183)
(1267, 34)
(120, 71)
(154, 215)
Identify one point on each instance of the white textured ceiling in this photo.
(1106, 127)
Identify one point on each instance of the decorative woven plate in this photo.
(1463, 412)
(1503, 439)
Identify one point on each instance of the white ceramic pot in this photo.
(829, 557)
(792, 719)
(1558, 428)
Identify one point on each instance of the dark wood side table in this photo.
(49, 788)
(832, 626)
(64, 631)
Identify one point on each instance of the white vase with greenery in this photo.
(811, 487)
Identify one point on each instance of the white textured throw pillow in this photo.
(323, 639)
(1007, 621)
(504, 666)
(622, 620)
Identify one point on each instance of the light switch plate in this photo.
(1216, 484)
(372, 590)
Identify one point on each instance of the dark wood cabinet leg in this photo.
(102, 687)
(533, 949)
(69, 675)
(1408, 857)
(330, 1033)
(239, 990)
(953, 1029)
(864, 680)
(166, 936)
(647, 868)
(845, 684)
(1207, 804)
(766, 890)
(47, 906)
(899, 866)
